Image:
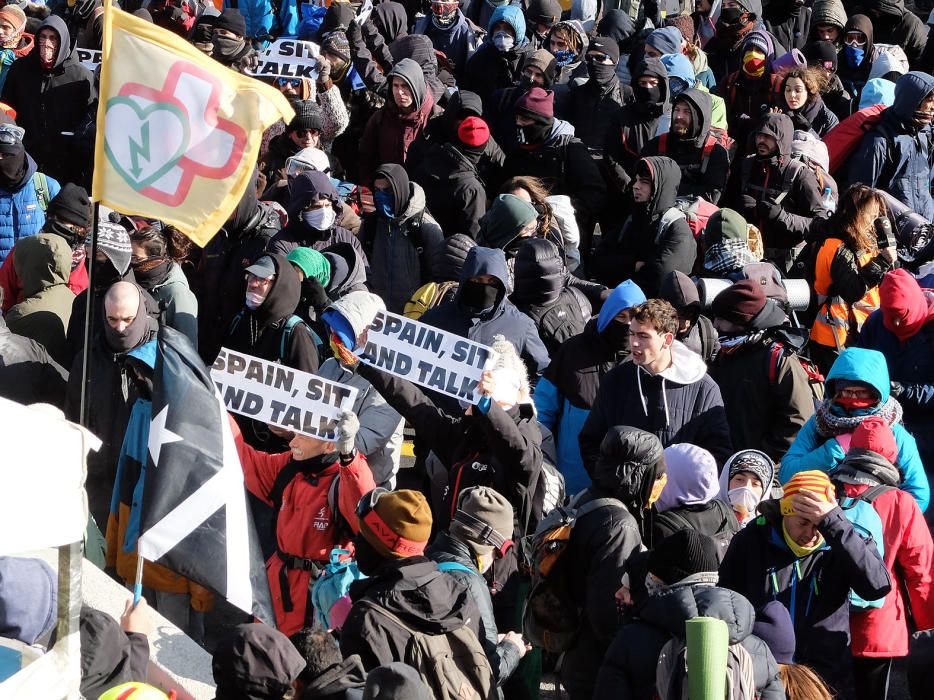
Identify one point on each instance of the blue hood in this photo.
(666, 40)
(486, 261)
(626, 295)
(861, 365)
(877, 91)
(679, 66)
(513, 15)
(910, 90)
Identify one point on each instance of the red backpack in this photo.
(843, 139)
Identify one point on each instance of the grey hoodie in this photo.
(412, 74)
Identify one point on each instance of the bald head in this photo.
(122, 303)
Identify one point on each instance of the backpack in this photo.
(897, 56)
(715, 136)
(810, 150)
(428, 296)
(558, 322)
(286, 336)
(41, 184)
(815, 378)
(332, 588)
(722, 538)
(843, 139)
(671, 672)
(453, 666)
(697, 211)
(552, 617)
(866, 521)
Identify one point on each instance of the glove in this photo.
(844, 441)
(768, 209)
(749, 203)
(347, 428)
(324, 70)
(896, 389)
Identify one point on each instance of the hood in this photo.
(671, 609)
(401, 187)
(578, 28)
(653, 67)
(680, 291)
(892, 8)
(255, 662)
(625, 296)
(416, 203)
(725, 478)
(394, 681)
(417, 47)
(42, 261)
(910, 91)
(666, 40)
(486, 261)
(906, 308)
(877, 92)
(616, 25)
(64, 48)
(306, 187)
(447, 259)
(692, 477)
(349, 674)
(28, 598)
(105, 653)
(701, 106)
(884, 64)
(511, 14)
(679, 66)
(415, 591)
(545, 62)
(666, 178)
(861, 365)
(688, 367)
(347, 269)
(284, 296)
(781, 128)
(828, 12)
(390, 19)
(412, 74)
(538, 275)
(507, 216)
(860, 23)
(629, 462)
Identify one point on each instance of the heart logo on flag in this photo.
(144, 142)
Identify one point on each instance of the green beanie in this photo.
(312, 263)
(725, 224)
(507, 216)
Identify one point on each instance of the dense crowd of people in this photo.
(624, 203)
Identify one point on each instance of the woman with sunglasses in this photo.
(312, 516)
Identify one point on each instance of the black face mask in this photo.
(617, 336)
(601, 73)
(132, 336)
(105, 274)
(534, 133)
(226, 47)
(152, 272)
(478, 298)
(58, 228)
(730, 19)
(13, 170)
(647, 95)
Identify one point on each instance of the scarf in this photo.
(829, 424)
(728, 255)
(796, 549)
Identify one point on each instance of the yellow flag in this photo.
(177, 133)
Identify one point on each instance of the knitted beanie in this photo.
(774, 627)
(740, 302)
(114, 241)
(479, 510)
(14, 15)
(683, 554)
(684, 24)
(537, 104)
(71, 205)
(337, 44)
(232, 21)
(813, 480)
(399, 525)
(312, 263)
(756, 41)
(307, 116)
(473, 132)
(605, 45)
(506, 217)
(754, 462)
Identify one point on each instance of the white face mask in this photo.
(319, 219)
(744, 501)
(253, 300)
(503, 42)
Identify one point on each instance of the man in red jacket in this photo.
(870, 472)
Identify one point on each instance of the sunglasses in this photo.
(485, 533)
(10, 134)
(366, 513)
(597, 57)
(291, 82)
(302, 133)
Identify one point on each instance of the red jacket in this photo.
(909, 553)
(305, 527)
(13, 288)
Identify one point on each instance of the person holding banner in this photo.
(312, 514)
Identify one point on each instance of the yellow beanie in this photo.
(815, 481)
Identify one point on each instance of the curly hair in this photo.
(659, 314)
(165, 242)
(813, 78)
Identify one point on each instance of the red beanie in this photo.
(740, 302)
(537, 104)
(473, 131)
(904, 308)
(875, 435)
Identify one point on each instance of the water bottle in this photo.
(827, 201)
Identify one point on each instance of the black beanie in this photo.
(71, 205)
(307, 116)
(683, 554)
(819, 52)
(605, 45)
(232, 21)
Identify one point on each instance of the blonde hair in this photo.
(802, 683)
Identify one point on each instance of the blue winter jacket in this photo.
(21, 213)
(810, 450)
(907, 172)
(458, 42)
(261, 20)
(563, 397)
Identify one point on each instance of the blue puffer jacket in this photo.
(565, 394)
(907, 172)
(21, 213)
(811, 450)
(260, 17)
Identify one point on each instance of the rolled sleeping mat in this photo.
(708, 642)
(798, 291)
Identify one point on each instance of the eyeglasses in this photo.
(290, 82)
(10, 134)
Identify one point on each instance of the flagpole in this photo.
(88, 323)
(138, 584)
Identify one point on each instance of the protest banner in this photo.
(436, 359)
(273, 393)
(89, 58)
(288, 58)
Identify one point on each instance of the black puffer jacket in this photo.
(27, 373)
(701, 175)
(628, 670)
(489, 69)
(788, 22)
(591, 108)
(602, 543)
(448, 259)
(663, 242)
(453, 190)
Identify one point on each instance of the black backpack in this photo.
(560, 321)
